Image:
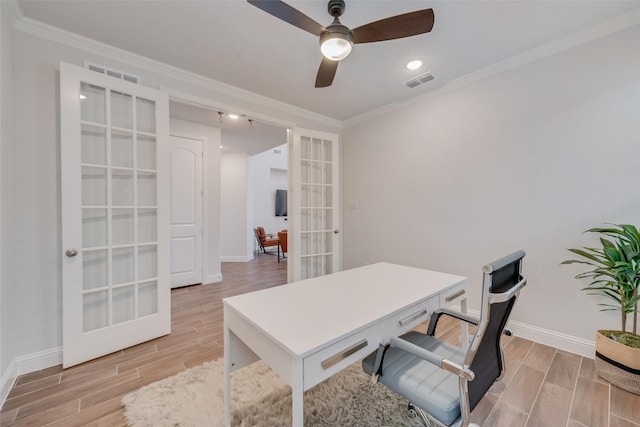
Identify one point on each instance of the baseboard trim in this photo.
(213, 278)
(41, 360)
(6, 382)
(555, 339)
(245, 258)
(26, 364)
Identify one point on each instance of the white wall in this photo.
(7, 353)
(269, 173)
(526, 159)
(235, 236)
(31, 188)
(211, 190)
(249, 184)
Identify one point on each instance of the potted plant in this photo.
(614, 271)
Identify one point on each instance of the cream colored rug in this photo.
(259, 398)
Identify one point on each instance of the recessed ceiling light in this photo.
(233, 116)
(221, 147)
(414, 65)
(83, 96)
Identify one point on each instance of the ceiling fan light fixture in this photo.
(336, 46)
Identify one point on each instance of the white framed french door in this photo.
(315, 247)
(115, 214)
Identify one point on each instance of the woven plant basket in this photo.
(618, 363)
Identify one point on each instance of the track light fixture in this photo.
(234, 116)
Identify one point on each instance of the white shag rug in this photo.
(259, 397)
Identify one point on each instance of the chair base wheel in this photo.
(419, 413)
(412, 411)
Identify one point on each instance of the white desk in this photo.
(309, 330)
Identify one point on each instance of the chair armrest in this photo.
(435, 316)
(433, 358)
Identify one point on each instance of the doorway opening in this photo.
(244, 161)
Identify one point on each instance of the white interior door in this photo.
(115, 214)
(186, 211)
(315, 247)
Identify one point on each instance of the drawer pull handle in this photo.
(454, 296)
(412, 317)
(327, 363)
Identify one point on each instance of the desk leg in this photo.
(464, 333)
(227, 377)
(297, 395)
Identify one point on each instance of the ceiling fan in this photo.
(336, 40)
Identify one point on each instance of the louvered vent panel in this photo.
(427, 77)
(113, 73)
(418, 80)
(413, 83)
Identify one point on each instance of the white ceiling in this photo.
(240, 45)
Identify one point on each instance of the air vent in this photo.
(418, 80)
(113, 73)
(277, 151)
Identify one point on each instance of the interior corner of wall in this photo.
(7, 379)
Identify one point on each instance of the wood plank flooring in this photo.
(542, 386)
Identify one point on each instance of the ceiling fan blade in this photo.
(395, 27)
(326, 72)
(293, 16)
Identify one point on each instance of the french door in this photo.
(315, 249)
(115, 216)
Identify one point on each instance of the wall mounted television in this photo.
(281, 202)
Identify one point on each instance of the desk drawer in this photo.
(411, 317)
(453, 296)
(326, 362)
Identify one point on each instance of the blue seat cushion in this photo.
(430, 388)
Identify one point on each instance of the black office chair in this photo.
(444, 383)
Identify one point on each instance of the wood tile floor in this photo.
(542, 386)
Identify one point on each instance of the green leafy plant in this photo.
(615, 270)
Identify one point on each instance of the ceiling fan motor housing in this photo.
(336, 8)
(336, 30)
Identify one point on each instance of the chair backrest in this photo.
(261, 233)
(282, 237)
(501, 284)
(258, 238)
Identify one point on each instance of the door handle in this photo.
(336, 231)
(71, 252)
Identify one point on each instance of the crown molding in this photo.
(19, 22)
(611, 26)
(12, 10)
(58, 35)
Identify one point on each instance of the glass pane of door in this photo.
(118, 204)
(316, 207)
